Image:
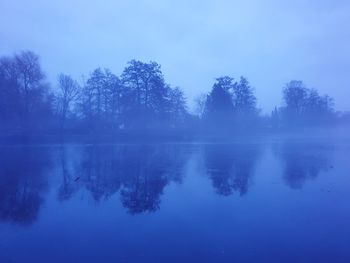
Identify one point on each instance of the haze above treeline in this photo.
(139, 100)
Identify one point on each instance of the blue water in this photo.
(276, 201)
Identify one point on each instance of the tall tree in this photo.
(178, 110)
(243, 97)
(146, 94)
(200, 102)
(100, 100)
(24, 92)
(294, 95)
(219, 106)
(68, 92)
(305, 106)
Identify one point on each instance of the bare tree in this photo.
(25, 95)
(199, 102)
(67, 93)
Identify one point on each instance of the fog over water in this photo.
(174, 131)
(175, 202)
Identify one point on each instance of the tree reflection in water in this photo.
(231, 166)
(303, 161)
(138, 173)
(23, 182)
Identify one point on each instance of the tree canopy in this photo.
(140, 99)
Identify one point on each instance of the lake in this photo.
(261, 201)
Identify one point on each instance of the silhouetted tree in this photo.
(178, 109)
(24, 96)
(230, 106)
(244, 99)
(294, 95)
(275, 120)
(318, 109)
(219, 108)
(200, 102)
(67, 94)
(100, 101)
(146, 94)
(142, 103)
(244, 102)
(305, 107)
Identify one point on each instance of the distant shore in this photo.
(138, 137)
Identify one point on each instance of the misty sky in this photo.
(268, 41)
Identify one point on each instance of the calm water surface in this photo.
(241, 202)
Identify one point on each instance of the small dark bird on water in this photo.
(76, 179)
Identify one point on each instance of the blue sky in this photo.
(270, 42)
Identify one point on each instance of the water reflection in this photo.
(231, 167)
(68, 187)
(23, 182)
(303, 161)
(138, 173)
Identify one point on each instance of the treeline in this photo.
(140, 100)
